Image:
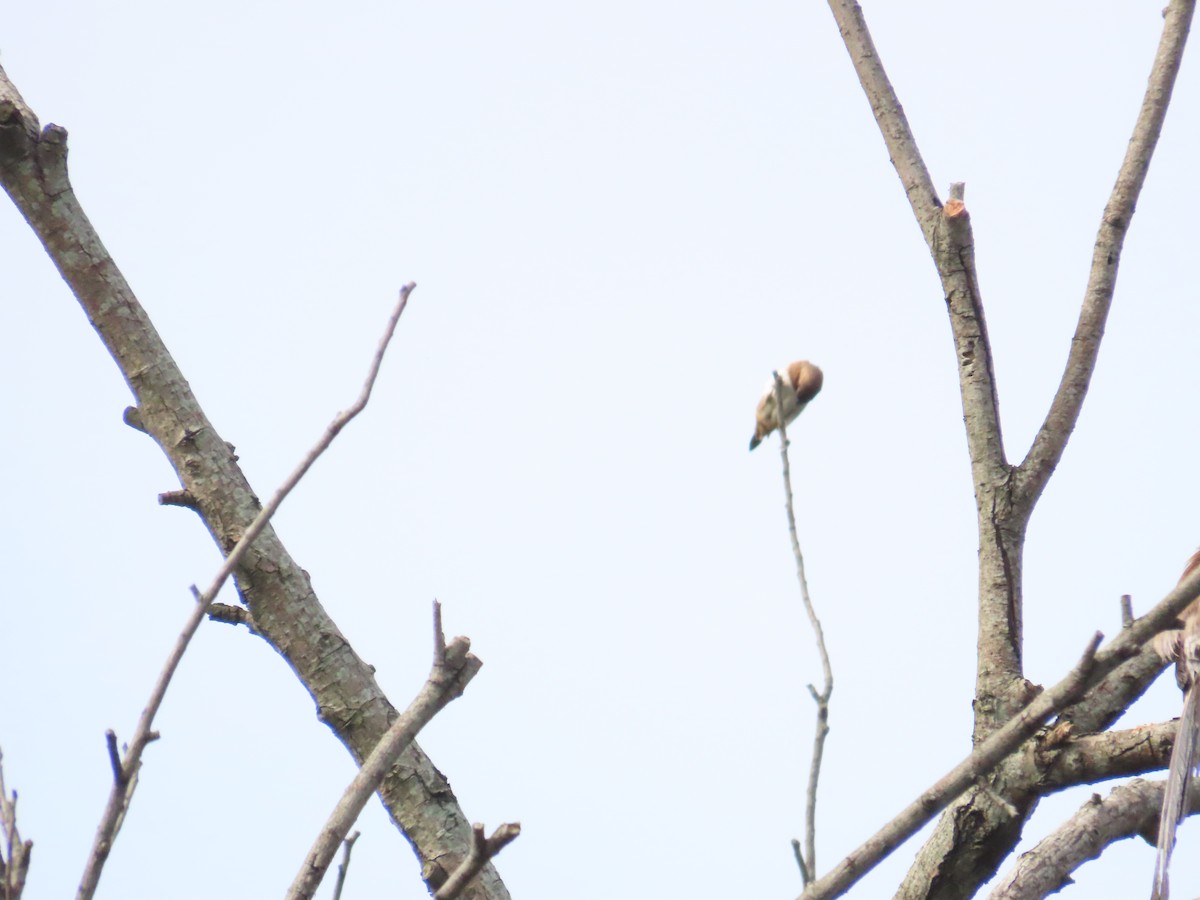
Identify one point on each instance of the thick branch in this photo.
(1130, 810)
(1110, 754)
(1090, 670)
(999, 685)
(1051, 439)
(987, 755)
(286, 611)
(1107, 701)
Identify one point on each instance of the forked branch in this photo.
(453, 667)
(482, 850)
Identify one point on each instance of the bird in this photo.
(1181, 646)
(801, 382)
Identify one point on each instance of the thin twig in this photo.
(344, 865)
(16, 854)
(481, 851)
(1051, 439)
(808, 867)
(120, 793)
(453, 667)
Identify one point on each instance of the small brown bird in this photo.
(1181, 646)
(801, 382)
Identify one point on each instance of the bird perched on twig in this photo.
(1181, 646)
(801, 382)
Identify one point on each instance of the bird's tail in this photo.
(1174, 806)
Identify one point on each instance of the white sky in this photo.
(620, 217)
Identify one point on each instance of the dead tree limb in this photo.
(958, 857)
(287, 613)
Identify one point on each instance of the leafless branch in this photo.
(1051, 439)
(16, 854)
(121, 792)
(344, 865)
(1091, 758)
(453, 667)
(1091, 669)
(231, 615)
(981, 760)
(808, 863)
(1130, 810)
(999, 688)
(1107, 700)
(481, 851)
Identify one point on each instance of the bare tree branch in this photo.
(286, 610)
(123, 780)
(958, 779)
(807, 861)
(1109, 754)
(957, 856)
(453, 667)
(1000, 688)
(1130, 810)
(15, 854)
(481, 851)
(1051, 439)
(344, 865)
(1091, 669)
(1107, 701)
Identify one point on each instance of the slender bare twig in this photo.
(453, 667)
(808, 863)
(15, 854)
(1051, 439)
(481, 851)
(344, 865)
(119, 796)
